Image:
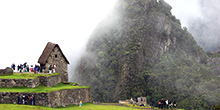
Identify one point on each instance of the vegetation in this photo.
(41, 88)
(26, 75)
(216, 107)
(142, 50)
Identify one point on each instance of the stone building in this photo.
(51, 55)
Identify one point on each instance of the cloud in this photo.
(26, 27)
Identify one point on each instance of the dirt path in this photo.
(122, 105)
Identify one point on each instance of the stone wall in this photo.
(48, 81)
(32, 83)
(52, 99)
(7, 70)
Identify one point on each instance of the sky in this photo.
(27, 25)
(185, 10)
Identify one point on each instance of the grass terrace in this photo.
(85, 106)
(25, 75)
(41, 88)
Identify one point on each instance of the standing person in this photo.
(54, 67)
(152, 103)
(25, 99)
(170, 104)
(31, 100)
(159, 104)
(31, 69)
(36, 69)
(18, 99)
(50, 69)
(167, 103)
(80, 104)
(28, 68)
(174, 104)
(21, 99)
(18, 68)
(21, 68)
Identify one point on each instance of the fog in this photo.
(202, 20)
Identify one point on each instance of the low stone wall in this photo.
(32, 83)
(52, 99)
(48, 81)
(6, 71)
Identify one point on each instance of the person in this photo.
(31, 69)
(24, 99)
(80, 104)
(13, 66)
(36, 69)
(159, 104)
(25, 64)
(32, 100)
(18, 99)
(50, 69)
(21, 100)
(21, 68)
(18, 68)
(152, 103)
(167, 104)
(28, 68)
(54, 67)
(174, 104)
(170, 104)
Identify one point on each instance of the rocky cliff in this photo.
(140, 49)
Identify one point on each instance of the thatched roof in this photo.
(47, 51)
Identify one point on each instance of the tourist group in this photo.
(164, 104)
(23, 99)
(36, 69)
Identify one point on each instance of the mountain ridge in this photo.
(140, 49)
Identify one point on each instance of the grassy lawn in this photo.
(148, 107)
(41, 88)
(25, 76)
(72, 107)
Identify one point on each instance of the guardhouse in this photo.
(53, 55)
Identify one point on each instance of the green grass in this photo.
(87, 106)
(147, 107)
(41, 88)
(26, 76)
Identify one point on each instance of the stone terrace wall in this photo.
(32, 83)
(48, 81)
(52, 99)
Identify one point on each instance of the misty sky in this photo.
(26, 26)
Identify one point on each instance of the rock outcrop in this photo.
(7, 70)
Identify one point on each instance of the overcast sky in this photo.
(27, 25)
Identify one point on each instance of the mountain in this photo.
(140, 49)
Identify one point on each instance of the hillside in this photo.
(140, 49)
